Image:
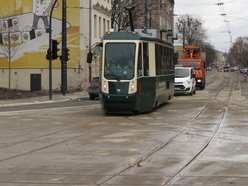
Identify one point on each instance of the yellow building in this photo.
(24, 42)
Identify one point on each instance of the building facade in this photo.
(221, 59)
(100, 23)
(24, 42)
(160, 16)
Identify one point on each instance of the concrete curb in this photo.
(44, 99)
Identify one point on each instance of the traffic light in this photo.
(89, 57)
(55, 49)
(67, 54)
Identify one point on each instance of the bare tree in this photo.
(119, 17)
(150, 13)
(239, 51)
(210, 53)
(10, 42)
(190, 29)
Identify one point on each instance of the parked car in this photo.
(94, 88)
(233, 69)
(243, 70)
(185, 81)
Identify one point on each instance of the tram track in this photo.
(161, 146)
(173, 178)
(4, 113)
(84, 134)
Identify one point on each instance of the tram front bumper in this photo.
(118, 103)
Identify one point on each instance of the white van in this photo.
(185, 82)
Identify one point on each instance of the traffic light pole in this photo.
(50, 50)
(64, 57)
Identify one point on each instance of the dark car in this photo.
(94, 88)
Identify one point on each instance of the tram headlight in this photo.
(132, 88)
(104, 87)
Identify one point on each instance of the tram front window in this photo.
(119, 61)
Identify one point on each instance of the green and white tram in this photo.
(137, 72)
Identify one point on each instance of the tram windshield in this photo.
(119, 61)
(181, 73)
(195, 64)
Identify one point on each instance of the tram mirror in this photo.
(97, 50)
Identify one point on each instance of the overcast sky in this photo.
(208, 10)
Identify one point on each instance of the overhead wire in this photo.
(221, 7)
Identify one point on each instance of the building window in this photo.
(104, 25)
(108, 25)
(100, 27)
(95, 25)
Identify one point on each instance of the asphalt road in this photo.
(48, 105)
(192, 140)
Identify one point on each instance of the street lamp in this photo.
(50, 49)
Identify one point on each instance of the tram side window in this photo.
(164, 61)
(146, 59)
(140, 61)
(168, 59)
(171, 60)
(158, 59)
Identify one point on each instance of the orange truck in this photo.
(192, 57)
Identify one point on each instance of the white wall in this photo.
(99, 19)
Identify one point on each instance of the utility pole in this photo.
(183, 35)
(64, 57)
(130, 17)
(90, 37)
(146, 15)
(183, 23)
(9, 59)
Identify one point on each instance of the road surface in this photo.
(192, 140)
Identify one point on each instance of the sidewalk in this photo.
(45, 99)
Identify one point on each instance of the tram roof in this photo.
(132, 36)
